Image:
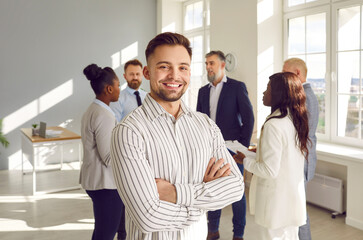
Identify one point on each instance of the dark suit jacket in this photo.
(234, 110)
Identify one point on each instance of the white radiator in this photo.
(326, 192)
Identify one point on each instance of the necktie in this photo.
(138, 97)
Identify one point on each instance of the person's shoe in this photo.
(213, 236)
(237, 238)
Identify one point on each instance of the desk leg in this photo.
(62, 155)
(35, 159)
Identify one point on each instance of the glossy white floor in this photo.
(68, 215)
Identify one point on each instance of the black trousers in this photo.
(108, 211)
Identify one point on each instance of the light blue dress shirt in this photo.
(126, 102)
(104, 105)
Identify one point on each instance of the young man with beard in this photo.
(226, 102)
(164, 154)
(132, 96)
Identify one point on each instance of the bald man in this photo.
(298, 66)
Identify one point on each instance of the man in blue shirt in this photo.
(132, 96)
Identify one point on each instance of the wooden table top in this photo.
(65, 135)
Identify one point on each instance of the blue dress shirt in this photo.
(126, 102)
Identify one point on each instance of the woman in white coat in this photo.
(277, 195)
(96, 171)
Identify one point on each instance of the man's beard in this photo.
(134, 84)
(212, 78)
(166, 96)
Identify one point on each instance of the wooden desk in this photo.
(30, 145)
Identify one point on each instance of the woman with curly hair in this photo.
(277, 195)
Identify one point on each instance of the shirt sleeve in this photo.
(137, 187)
(270, 152)
(104, 124)
(218, 193)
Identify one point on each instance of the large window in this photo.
(196, 29)
(328, 37)
(307, 40)
(349, 88)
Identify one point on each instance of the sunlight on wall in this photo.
(116, 60)
(265, 10)
(66, 123)
(123, 86)
(265, 69)
(20, 116)
(37, 106)
(169, 28)
(55, 96)
(129, 52)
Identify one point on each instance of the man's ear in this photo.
(146, 72)
(223, 65)
(298, 72)
(125, 76)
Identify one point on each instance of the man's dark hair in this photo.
(219, 54)
(167, 38)
(133, 62)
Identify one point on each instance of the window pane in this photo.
(197, 46)
(348, 116)
(315, 33)
(188, 21)
(296, 35)
(316, 64)
(348, 72)
(348, 28)
(197, 69)
(295, 2)
(198, 14)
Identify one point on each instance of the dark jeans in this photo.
(239, 215)
(108, 210)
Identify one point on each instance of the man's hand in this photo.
(166, 190)
(214, 170)
(239, 157)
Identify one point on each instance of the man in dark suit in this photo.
(226, 101)
(298, 66)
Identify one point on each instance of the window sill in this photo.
(339, 153)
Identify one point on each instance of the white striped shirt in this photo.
(149, 143)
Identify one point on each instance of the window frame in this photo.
(204, 31)
(334, 134)
(304, 6)
(330, 7)
(304, 13)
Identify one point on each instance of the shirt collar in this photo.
(104, 105)
(154, 110)
(130, 90)
(224, 79)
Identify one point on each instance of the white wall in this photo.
(169, 16)
(44, 47)
(234, 29)
(270, 50)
